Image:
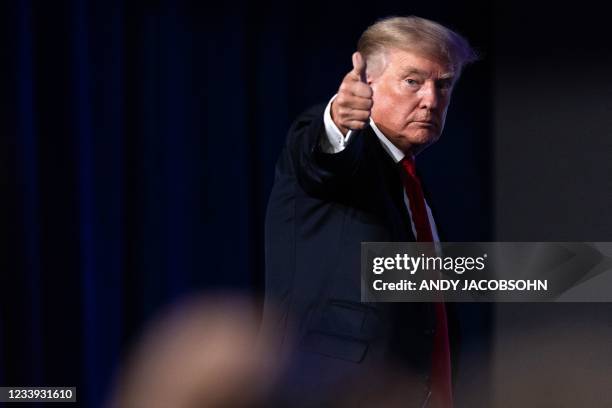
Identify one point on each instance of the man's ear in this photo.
(372, 75)
(376, 66)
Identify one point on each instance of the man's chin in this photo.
(416, 143)
(422, 138)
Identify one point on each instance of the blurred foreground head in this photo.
(203, 352)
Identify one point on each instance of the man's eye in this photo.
(412, 82)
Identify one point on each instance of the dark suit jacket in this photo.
(321, 208)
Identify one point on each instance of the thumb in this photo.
(359, 66)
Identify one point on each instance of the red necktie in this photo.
(441, 388)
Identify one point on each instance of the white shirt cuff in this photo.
(335, 142)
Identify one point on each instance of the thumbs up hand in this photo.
(353, 105)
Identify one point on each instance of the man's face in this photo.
(411, 97)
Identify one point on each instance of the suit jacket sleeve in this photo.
(317, 172)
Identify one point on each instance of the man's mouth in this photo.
(426, 123)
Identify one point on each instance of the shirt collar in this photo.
(396, 154)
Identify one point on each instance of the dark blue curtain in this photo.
(138, 142)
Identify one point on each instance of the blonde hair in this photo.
(419, 35)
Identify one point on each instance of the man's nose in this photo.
(429, 96)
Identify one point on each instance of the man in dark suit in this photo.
(345, 176)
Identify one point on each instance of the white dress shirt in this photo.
(336, 142)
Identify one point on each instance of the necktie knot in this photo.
(408, 165)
